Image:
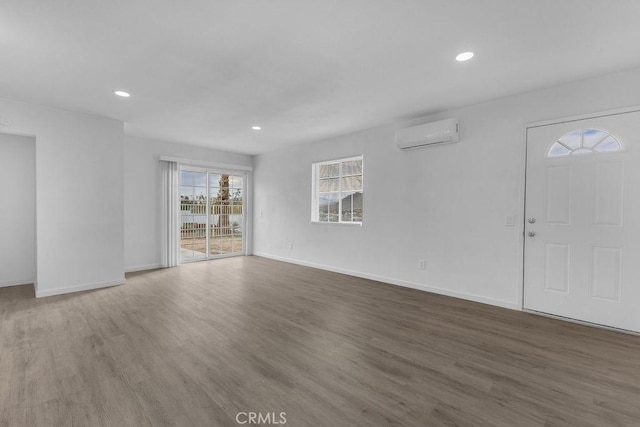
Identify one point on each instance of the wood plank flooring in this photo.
(196, 344)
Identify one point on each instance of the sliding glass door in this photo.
(227, 214)
(212, 208)
(193, 215)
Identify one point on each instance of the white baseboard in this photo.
(78, 288)
(17, 282)
(142, 268)
(422, 287)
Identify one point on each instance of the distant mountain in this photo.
(357, 202)
(355, 198)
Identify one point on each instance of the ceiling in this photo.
(204, 71)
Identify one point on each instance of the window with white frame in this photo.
(337, 191)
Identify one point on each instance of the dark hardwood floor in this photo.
(197, 344)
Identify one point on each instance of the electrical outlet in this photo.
(290, 245)
(422, 264)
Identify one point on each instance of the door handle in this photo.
(531, 220)
(531, 233)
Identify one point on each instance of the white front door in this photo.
(582, 229)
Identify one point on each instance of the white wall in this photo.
(452, 199)
(17, 210)
(143, 196)
(79, 169)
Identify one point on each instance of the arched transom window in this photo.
(584, 141)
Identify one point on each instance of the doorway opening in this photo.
(212, 214)
(17, 210)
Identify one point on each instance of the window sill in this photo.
(337, 223)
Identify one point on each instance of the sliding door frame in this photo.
(213, 170)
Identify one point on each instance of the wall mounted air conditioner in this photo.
(435, 133)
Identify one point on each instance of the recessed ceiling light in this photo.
(122, 93)
(464, 56)
(256, 127)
